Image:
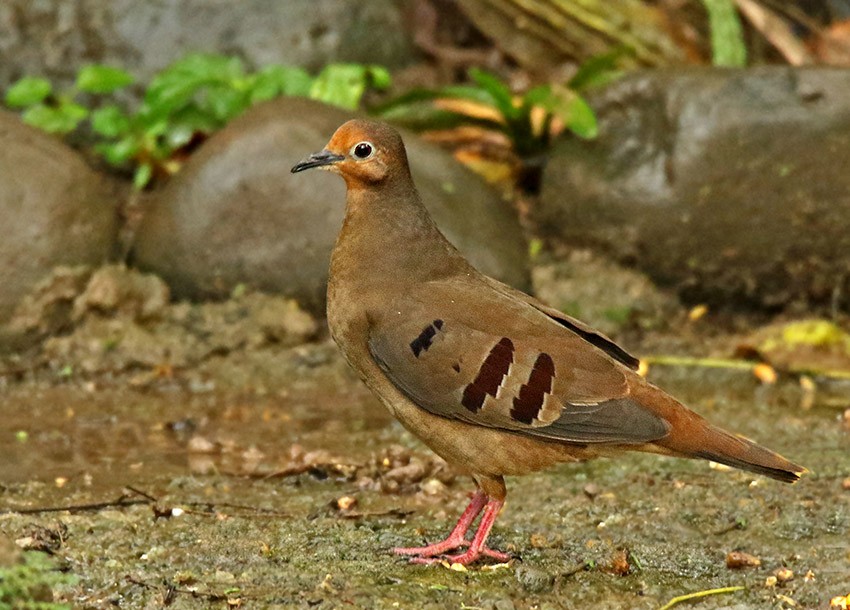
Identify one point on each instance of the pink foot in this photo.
(464, 559)
(435, 553)
(456, 538)
(432, 550)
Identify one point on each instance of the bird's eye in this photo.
(363, 150)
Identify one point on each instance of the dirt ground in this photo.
(262, 474)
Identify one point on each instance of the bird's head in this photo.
(363, 152)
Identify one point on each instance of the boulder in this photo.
(55, 210)
(731, 186)
(235, 215)
(56, 37)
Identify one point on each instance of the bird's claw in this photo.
(470, 556)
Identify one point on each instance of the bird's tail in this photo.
(724, 448)
(694, 437)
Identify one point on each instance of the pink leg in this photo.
(456, 538)
(477, 548)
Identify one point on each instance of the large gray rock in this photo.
(235, 215)
(56, 37)
(733, 186)
(55, 210)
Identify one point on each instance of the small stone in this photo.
(346, 502)
(539, 541)
(783, 574)
(620, 564)
(737, 560)
(199, 444)
(534, 580)
(591, 490)
(433, 487)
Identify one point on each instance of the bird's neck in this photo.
(388, 241)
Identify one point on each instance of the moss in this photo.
(29, 583)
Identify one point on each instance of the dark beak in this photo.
(318, 159)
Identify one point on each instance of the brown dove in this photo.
(488, 377)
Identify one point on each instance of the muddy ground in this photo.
(262, 474)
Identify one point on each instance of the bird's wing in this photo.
(462, 349)
(591, 335)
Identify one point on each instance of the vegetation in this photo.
(29, 584)
(190, 99)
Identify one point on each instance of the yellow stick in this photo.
(697, 595)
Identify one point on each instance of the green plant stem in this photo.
(698, 595)
(728, 363)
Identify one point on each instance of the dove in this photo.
(491, 379)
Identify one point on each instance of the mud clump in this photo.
(117, 319)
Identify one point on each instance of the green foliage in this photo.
(102, 79)
(515, 116)
(28, 91)
(192, 97)
(29, 584)
(727, 35)
(61, 114)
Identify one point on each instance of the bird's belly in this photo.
(480, 450)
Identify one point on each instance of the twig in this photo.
(698, 595)
(124, 500)
(777, 32)
(743, 365)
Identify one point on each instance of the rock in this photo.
(235, 215)
(534, 580)
(732, 186)
(56, 37)
(55, 210)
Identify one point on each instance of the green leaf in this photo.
(205, 67)
(225, 103)
(142, 176)
(501, 94)
(727, 35)
(274, 80)
(61, 119)
(180, 83)
(582, 121)
(28, 91)
(118, 153)
(110, 121)
(178, 135)
(102, 79)
(193, 119)
(599, 70)
(344, 84)
(340, 85)
(569, 106)
(379, 77)
(539, 96)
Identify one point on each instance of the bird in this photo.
(491, 379)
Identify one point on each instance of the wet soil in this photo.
(282, 483)
(223, 455)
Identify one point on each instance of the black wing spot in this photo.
(490, 375)
(456, 367)
(425, 338)
(529, 401)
